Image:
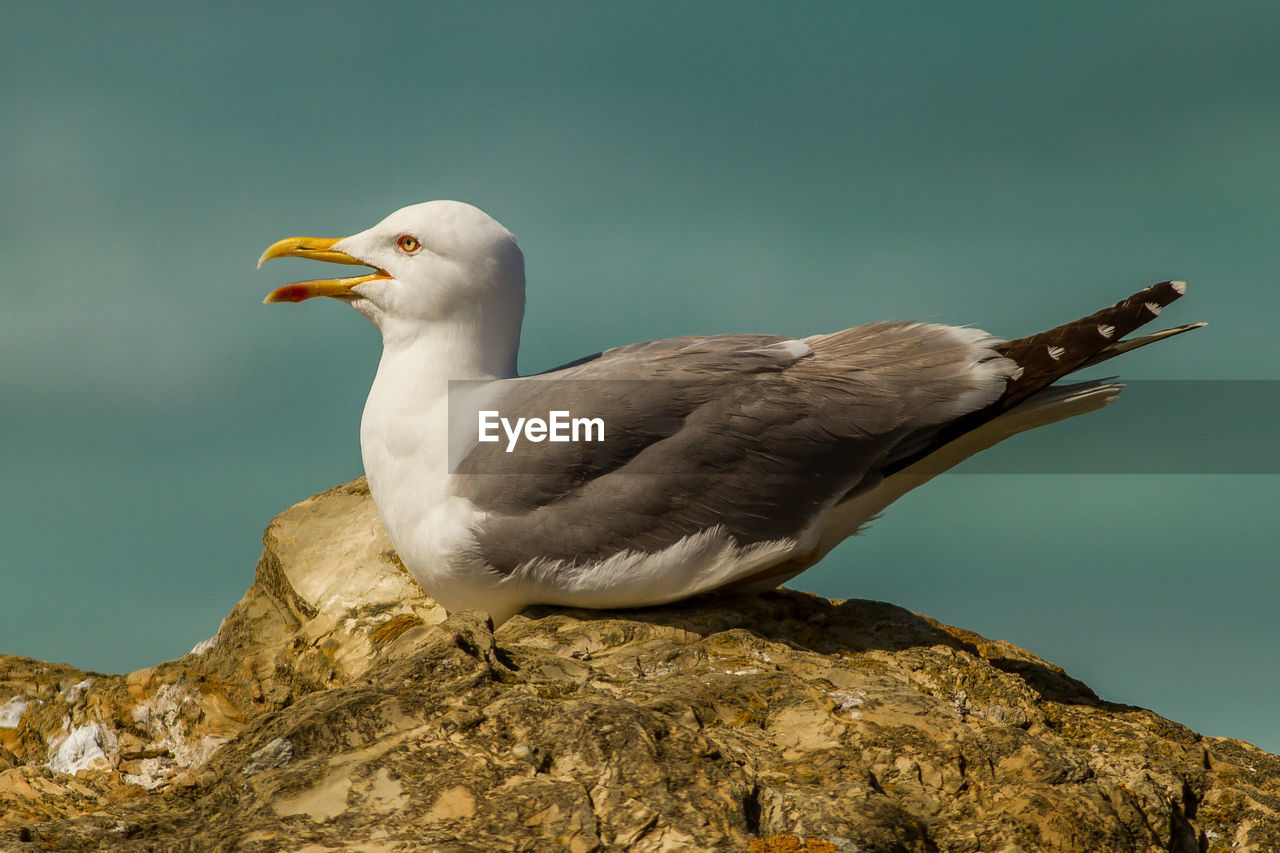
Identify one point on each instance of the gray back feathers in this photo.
(757, 434)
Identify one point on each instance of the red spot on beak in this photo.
(292, 293)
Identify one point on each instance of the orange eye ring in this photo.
(408, 243)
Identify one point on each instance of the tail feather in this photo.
(1121, 347)
(1048, 356)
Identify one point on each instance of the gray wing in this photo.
(757, 434)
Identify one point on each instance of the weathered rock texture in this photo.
(337, 708)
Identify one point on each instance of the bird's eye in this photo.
(408, 243)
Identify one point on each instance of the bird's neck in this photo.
(408, 406)
(421, 366)
(471, 348)
(404, 434)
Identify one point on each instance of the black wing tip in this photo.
(1157, 296)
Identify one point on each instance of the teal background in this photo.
(668, 169)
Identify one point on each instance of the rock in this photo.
(338, 707)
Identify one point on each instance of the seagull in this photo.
(704, 464)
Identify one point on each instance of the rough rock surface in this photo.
(338, 708)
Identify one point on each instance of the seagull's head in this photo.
(437, 263)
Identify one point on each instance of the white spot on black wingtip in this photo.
(1055, 353)
(1179, 287)
(1154, 308)
(1106, 330)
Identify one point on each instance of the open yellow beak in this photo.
(319, 249)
